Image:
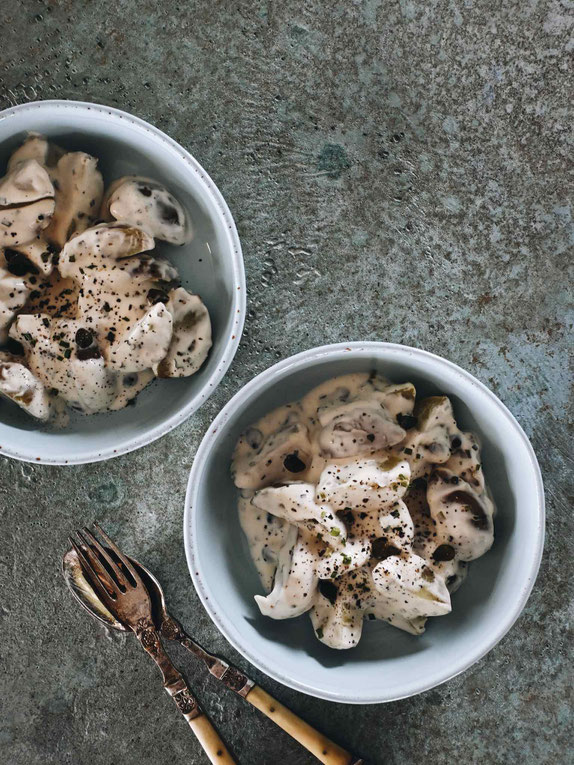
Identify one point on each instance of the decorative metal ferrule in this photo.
(187, 704)
(236, 681)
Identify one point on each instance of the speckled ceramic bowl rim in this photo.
(276, 372)
(239, 296)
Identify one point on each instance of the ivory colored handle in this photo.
(209, 739)
(323, 749)
(175, 686)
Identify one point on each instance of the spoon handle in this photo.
(323, 748)
(177, 688)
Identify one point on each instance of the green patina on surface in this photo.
(333, 160)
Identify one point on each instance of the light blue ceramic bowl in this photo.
(211, 265)
(387, 664)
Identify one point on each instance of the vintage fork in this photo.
(231, 677)
(124, 594)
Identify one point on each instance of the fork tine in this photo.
(92, 577)
(135, 576)
(105, 576)
(120, 576)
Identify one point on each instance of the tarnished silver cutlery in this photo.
(123, 594)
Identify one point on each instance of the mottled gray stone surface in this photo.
(398, 170)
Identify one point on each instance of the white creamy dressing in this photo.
(27, 203)
(358, 502)
(97, 312)
(20, 385)
(14, 292)
(145, 203)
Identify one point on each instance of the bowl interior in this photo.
(387, 664)
(209, 265)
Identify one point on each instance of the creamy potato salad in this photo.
(360, 501)
(89, 312)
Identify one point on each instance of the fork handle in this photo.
(201, 725)
(177, 688)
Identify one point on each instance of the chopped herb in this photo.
(293, 463)
(406, 421)
(84, 338)
(382, 548)
(444, 553)
(32, 340)
(328, 589)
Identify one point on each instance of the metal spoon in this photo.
(124, 594)
(167, 625)
(323, 748)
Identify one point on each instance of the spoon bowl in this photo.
(87, 598)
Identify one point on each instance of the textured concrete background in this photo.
(398, 170)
